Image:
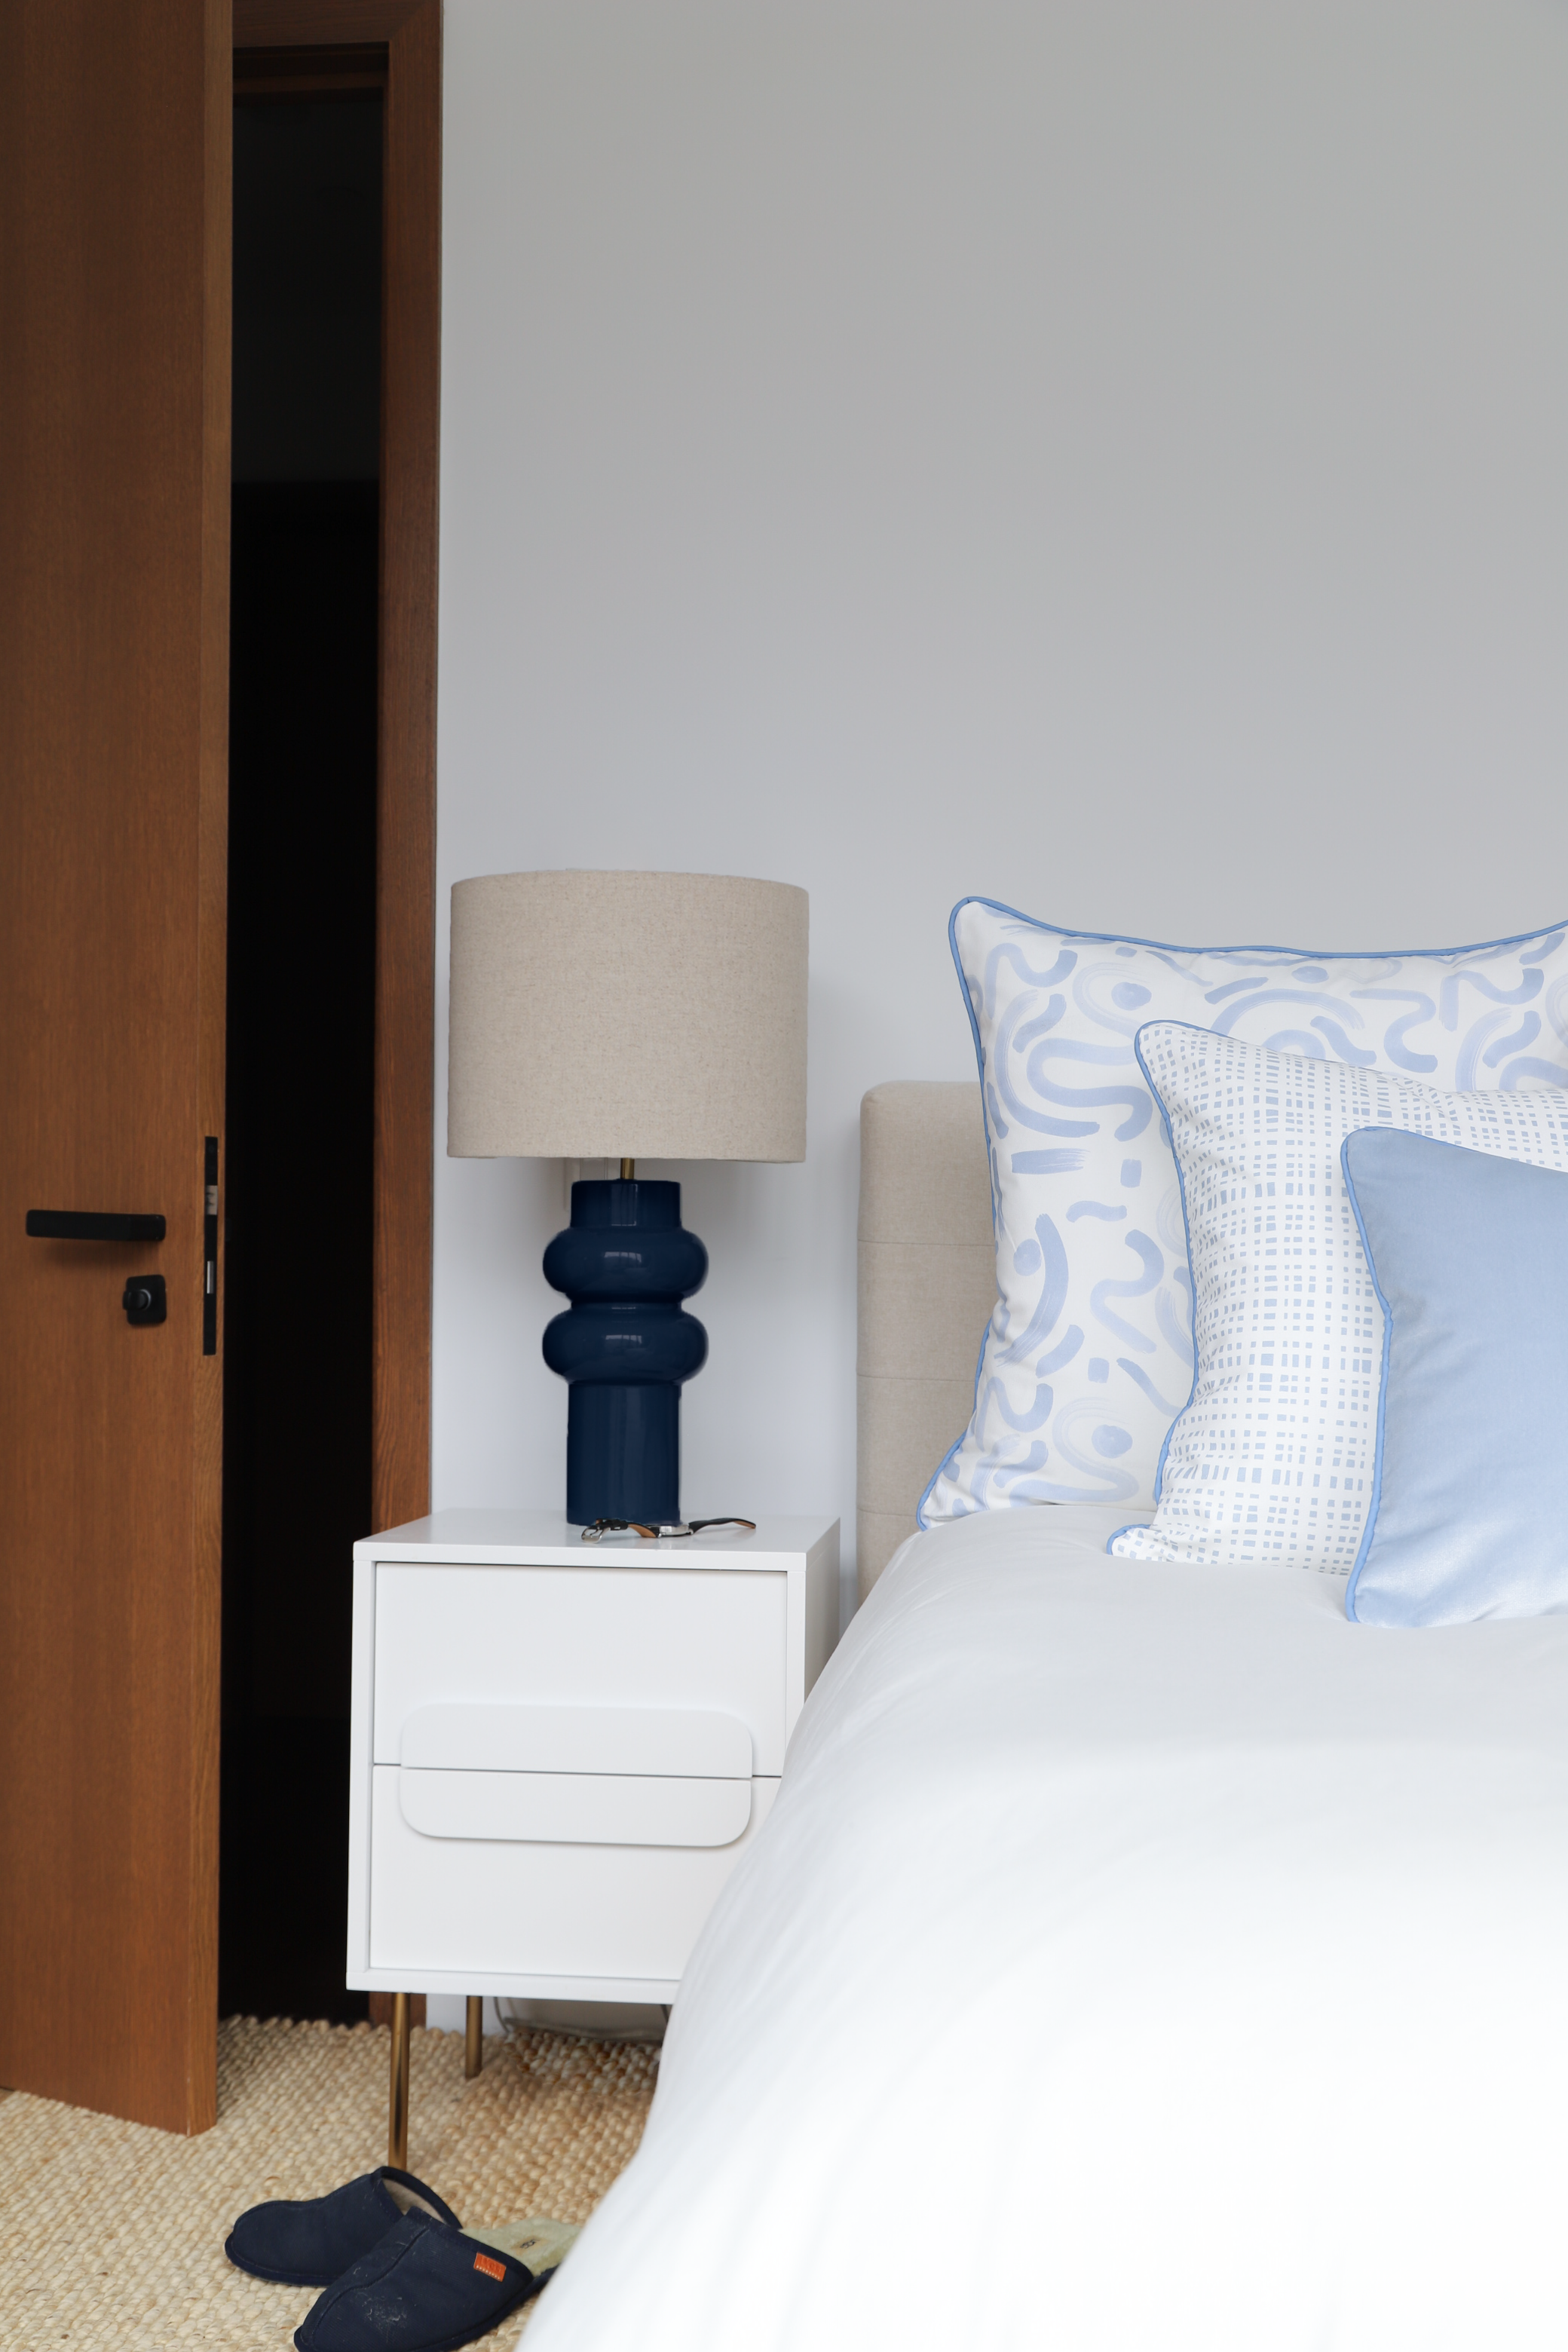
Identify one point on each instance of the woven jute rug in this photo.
(111, 2233)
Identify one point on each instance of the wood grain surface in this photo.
(405, 834)
(115, 172)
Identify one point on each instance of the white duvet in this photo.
(1137, 1958)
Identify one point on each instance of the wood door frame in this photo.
(407, 35)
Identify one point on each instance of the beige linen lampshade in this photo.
(643, 1016)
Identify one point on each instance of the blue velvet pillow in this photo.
(1469, 1507)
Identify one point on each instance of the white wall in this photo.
(1110, 456)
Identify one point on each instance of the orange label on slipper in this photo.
(490, 2267)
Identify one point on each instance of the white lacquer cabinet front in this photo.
(559, 1752)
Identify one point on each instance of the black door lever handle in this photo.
(93, 1226)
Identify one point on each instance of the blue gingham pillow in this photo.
(1271, 1461)
(1087, 1357)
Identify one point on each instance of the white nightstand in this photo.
(560, 1750)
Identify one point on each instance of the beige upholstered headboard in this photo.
(928, 1284)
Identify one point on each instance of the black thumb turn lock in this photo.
(145, 1299)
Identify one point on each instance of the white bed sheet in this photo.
(1137, 1958)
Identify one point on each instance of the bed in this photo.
(1136, 1955)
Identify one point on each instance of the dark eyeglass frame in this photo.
(672, 1528)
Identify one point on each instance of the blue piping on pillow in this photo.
(1370, 1529)
(1186, 1226)
(1313, 955)
(1186, 1235)
(996, 1206)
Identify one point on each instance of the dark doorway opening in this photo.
(302, 1014)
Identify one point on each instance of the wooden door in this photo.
(115, 142)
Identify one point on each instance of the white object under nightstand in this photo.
(560, 1750)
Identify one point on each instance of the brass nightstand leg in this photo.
(397, 2119)
(473, 2036)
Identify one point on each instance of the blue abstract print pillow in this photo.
(1087, 1357)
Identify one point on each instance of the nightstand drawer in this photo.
(665, 1639)
(500, 1909)
(575, 1808)
(577, 1775)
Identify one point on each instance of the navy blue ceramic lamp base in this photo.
(624, 1346)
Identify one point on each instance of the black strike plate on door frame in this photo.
(209, 1250)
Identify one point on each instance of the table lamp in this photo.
(627, 1018)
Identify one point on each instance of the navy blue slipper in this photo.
(426, 2288)
(313, 2241)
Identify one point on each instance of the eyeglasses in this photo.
(602, 1527)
